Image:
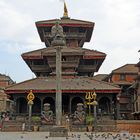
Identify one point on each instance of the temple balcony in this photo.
(40, 68)
(65, 64)
(87, 68)
(125, 107)
(73, 35)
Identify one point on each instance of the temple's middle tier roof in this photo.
(75, 60)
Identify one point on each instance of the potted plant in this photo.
(36, 121)
(89, 122)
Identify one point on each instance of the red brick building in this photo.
(5, 81)
(135, 92)
(4, 101)
(124, 77)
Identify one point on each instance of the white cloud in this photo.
(16, 30)
(118, 57)
(12, 22)
(117, 26)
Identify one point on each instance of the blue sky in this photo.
(117, 30)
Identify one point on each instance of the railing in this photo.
(40, 67)
(64, 63)
(125, 108)
(68, 35)
(86, 68)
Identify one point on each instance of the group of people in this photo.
(5, 116)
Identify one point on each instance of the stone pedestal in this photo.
(45, 128)
(58, 131)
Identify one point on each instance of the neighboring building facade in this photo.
(124, 77)
(135, 92)
(5, 81)
(78, 67)
(4, 101)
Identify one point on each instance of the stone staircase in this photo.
(12, 126)
(103, 125)
(106, 125)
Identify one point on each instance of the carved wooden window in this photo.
(82, 30)
(39, 62)
(122, 77)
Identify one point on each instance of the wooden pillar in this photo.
(111, 107)
(70, 104)
(118, 111)
(41, 103)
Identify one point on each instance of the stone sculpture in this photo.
(57, 35)
(47, 115)
(79, 114)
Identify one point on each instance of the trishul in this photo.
(91, 97)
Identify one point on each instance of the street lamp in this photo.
(30, 98)
(30, 103)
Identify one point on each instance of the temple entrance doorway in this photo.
(51, 101)
(74, 103)
(21, 106)
(104, 106)
(36, 109)
(65, 104)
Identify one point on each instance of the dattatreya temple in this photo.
(78, 67)
(116, 93)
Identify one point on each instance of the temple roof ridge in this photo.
(63, 20)
(108, 83)
(67, 48)
(127, 68)
(76, 83)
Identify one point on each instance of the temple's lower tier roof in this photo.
(69, 85)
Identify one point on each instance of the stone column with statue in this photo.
(57, 35)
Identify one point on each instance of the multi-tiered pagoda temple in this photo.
(78, 67)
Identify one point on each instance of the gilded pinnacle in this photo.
(65, 10)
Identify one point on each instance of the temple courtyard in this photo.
(72, 136)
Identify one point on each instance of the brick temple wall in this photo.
(128, 125)
(129, 77)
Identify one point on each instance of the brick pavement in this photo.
(72, 136)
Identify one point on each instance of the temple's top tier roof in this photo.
(76, 31)
(68, 26)
(66, 22)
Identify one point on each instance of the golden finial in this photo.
(65, 10)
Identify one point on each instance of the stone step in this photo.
(107, 128)
(78, 128)
(109, 122)
(45, 128)
(12, 122)
(12, 126)
(58, 131)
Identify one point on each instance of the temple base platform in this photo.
(58, 131)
